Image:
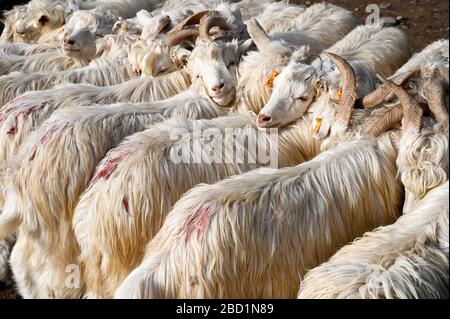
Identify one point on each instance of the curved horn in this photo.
(207, 22)
(162, 23)
(412, 111)
(177, 37)
(193, 19)
(348, 80)
(435, 93)
(258, 34)
(379, 95)
(380, 123)
(373, 98)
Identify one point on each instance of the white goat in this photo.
(408, 259)
(290, 82)
(96, 130)
(256, 234)
(141, 210)
(27, 112)
(116, 258)
(31, 22)
(110, 69)
(302, 87)
(434, 56)
(312, 21)
(253, 219)
(78, 45)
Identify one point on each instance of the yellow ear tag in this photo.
(317, 125)
(339, 94)
(269, 81)
(61, 30)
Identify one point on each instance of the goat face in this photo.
(81, 31)
(294, 89)
(155, 57)
(32, 22)
(80, 44)
(213, 69)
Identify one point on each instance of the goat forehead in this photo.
(295, 78)
(204, 53)
(81, 20)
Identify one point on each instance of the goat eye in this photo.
(302, 98)
(43, 19)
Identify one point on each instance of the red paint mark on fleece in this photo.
(25, 109)
(125, 204)
(109, 167)
(13, 130)
(11, 107)
(197, 221)
(51, 130)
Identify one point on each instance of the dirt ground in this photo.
(423, 20)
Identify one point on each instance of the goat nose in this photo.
(69, 41)
(218, 87)
(264, 118)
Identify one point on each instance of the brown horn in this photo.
(207, 22)
(177, 37)
(412, 111)
(258, 34)
(164, 22)
(435, 93)
(383, 121)
(348, 80)
(376, 97)
(193, 19)
(373, 98)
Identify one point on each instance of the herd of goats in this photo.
(93, 204)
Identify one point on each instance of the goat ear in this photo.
(258, 34)
(43, 19)
(245, 46)
(181, 55)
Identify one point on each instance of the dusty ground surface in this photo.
(423, 20)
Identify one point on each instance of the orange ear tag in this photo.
(269, 81)
(339, 94)
(61, 30)
(317, 125)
